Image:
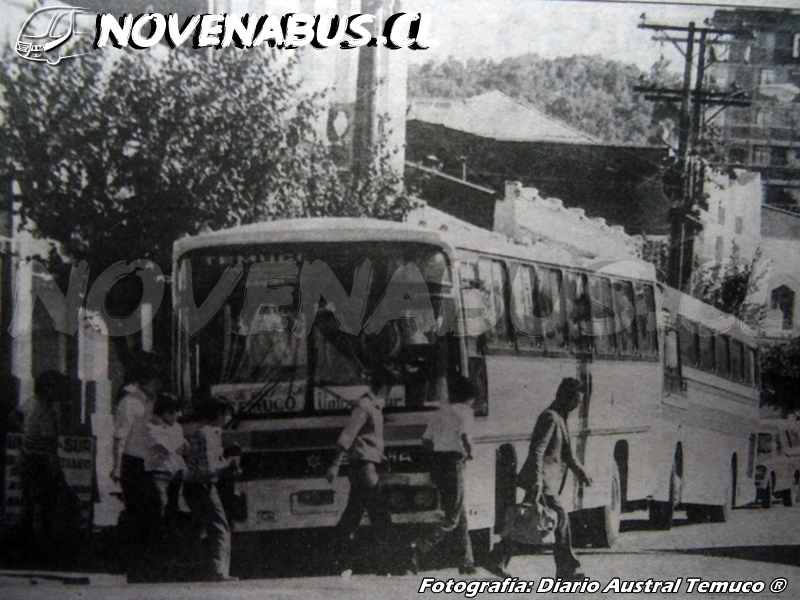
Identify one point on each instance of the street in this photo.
(755, 545)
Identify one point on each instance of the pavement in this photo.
(756, 545)
(663, 566)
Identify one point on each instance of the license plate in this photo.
(313, 497)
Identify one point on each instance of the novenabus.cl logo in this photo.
(50, 34)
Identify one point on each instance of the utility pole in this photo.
(683, 180)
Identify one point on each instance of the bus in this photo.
(288, 318)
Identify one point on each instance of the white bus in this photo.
(664, 423)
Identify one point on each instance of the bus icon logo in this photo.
(45, 34)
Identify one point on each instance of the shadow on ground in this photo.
(782, 555)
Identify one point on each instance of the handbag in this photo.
(529, 523)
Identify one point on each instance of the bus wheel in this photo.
(599, 527)
(662, 513)
(796, 490)
(788, 497)
(766, 494)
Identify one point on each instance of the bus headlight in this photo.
(425, 499)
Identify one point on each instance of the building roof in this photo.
(478, 115)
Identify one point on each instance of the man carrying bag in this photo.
(542, 477)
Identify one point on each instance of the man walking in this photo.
(448, 437)
(362, 442)
(206, 461)
(543, 476)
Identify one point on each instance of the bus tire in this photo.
(788, 497)
(599, 527)
(662, 513)
(766, 494)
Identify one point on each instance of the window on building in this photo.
(779, 157)
(782, 299)
(739, 225)
(796, 45)
(761, 155)
(738, 154)
(718, 248)
(721, 215)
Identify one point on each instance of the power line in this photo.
(683, 181)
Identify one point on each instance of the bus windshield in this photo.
(307, 362)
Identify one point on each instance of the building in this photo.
(764, 62)
(780, 249)
(465, 139)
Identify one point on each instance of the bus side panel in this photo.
(519, 389)
(624, 403)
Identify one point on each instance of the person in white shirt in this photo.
(447, 436)
(130, 448)
(166, 445)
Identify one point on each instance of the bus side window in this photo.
(624, 310)
(576, 302)
(521, 310)
(723, 356)
(737, 361)
(493, 275)
(602, 311)
(689, 344)
(707, 350)
(750, 366)
(646, 325)
(547, 307)
(673, 378)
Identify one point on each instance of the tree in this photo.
(728, 286)
(118, 158)
(591, 93)
(780, 375)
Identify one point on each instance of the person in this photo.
(129, 451)
(166, 445)
(159, 487)
(447, 436)
(362, 442)
(41, 476)
(543, 475)
(205, 463)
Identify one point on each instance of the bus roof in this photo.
(430, 226)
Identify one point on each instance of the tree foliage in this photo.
(728, 286)
(780, 375)
(118, 158)
(590, 93)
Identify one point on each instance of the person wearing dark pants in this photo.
(447, 436)
(205, 462)
(362, 442)
(543, 476)
(50, 507)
